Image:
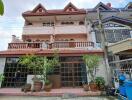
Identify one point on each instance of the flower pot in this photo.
(48, 87)
(37, 85)
(55, 80)
(26, 88)
(93, 87)
(86, 87)
(101, 87)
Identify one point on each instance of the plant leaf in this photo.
(1, 7)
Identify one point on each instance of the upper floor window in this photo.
(67, 23)
(81, 23)
(48, 24)
(29, 23)
(29, 40)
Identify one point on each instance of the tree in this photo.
(1, 7)
(91, 62)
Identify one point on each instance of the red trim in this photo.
(48, 52)
(59, 12)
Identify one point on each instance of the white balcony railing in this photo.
(37, 45)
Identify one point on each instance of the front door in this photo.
(73, 74)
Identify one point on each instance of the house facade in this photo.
(73, 32)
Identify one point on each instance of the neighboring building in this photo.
(70, 30)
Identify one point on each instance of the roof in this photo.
(116, 19)
(64, 11)
(48, 52)
(102, 5)
(129, 6)
(75, 11)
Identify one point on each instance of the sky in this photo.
(11, 22)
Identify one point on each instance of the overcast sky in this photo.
(12, 22)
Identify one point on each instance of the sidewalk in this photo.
(53, 92)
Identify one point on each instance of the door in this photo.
(73, 74)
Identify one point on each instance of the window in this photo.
(29, 24)
(81, 23)
(29, 40)
(67, 23)
(48, 24)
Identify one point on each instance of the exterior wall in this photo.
(70, 29)
(69, 37)
(101, 71)
(2, 65)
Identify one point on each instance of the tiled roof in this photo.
(116, 19)
(54, 12)
(64, 52)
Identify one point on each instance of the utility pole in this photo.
(104, 45)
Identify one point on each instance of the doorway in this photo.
(73, 74)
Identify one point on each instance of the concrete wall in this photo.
(2, 65)
(101, 70)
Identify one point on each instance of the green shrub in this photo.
(100, 81)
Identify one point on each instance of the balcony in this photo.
(37, 45)
(37, 30)
(25, 45)
(63, 29)
(70, 29)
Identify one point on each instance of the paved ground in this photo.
(53, 92)
(53, 98)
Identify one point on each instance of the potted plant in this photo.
(47, 66)
(91, 62)
(31, 61)
(100, 83)
(55, 78)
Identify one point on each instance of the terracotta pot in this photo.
(26, 88)
(86, 87)
(55, 80)
(101, 87)
(37, 86)
(93, 87)
(48, 87)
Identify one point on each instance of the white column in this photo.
(2, 66)
(131, 33)
(93, 37)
